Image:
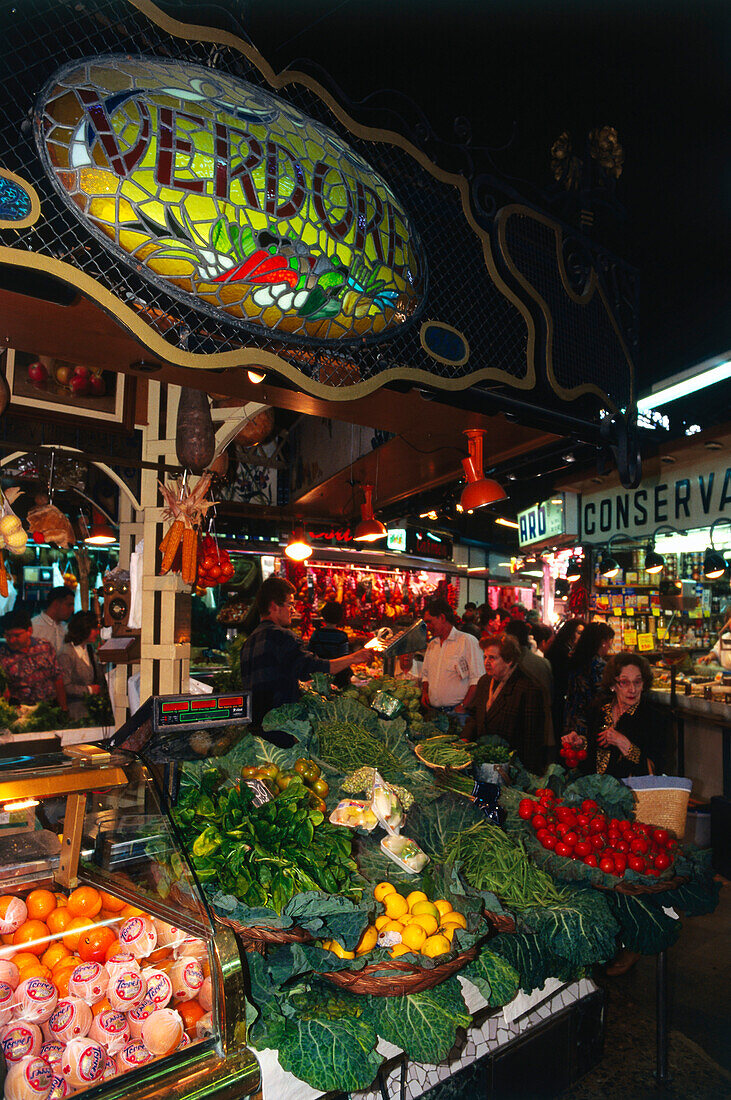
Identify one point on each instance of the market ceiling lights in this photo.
(101, 533)
(608, 566)
(298, 548)
(714, 564)
(479, 490)
(573, 570)
(654, 562)
(369, 529)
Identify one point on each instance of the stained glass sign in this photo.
(231, 197)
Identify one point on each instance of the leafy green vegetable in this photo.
(8, 714)
(533, 961)
(644, 927)
(423, 1024)
(614, 797)
(494, 976)
(580, 930)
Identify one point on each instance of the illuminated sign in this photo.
(201, 710)
(550, 520)
(396, 539)
(425, 544)
(230, 198)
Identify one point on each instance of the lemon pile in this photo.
(425, 927)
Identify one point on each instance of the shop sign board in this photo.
(689, 497)
(550, 520)
(396, 539)
(426, 544)
(230, 198)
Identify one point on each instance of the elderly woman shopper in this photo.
(509, 704)
(626, 733)
(82, 673)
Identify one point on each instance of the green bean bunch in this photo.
(492, 861)
(444, 752)
(347, 746)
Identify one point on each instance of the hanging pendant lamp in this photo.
(101, 533)
(479, 490)
(298, 547)
(369, 529)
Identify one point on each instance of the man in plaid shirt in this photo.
(273, 660)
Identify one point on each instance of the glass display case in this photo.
(112, 975)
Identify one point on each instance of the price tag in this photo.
(656, 612)
(706, 612)
(630, 611)
(630, 637)
(645, 642)
(662, 633)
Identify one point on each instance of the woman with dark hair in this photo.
(626, 734)
(82, 673)
(585, 669)
(329, 641)
(558, 655)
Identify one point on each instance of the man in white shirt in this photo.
(453, 663)
(50, 625)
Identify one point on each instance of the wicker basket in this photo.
(634, 889)
(661, 801)
(440, 767)
(257, 938)
(402, 977)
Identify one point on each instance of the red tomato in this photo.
(548, 841)
(583, 820)
(581, 754)
(527, 808)
(541, 834)
(662, 861)
(652, 871)
(565, 813)
(620, 863)
(614, 824)
(570, 838)
(661, 837)
(622, 846)
(607, 865)
(591, 860)
(583, 849)
(589, 805)
(639, 846)
(636, 863)
(539, 821)
(562, 849)
(545, 792)
(671, 845)
(597, 842)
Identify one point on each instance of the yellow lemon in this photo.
(414, 896)
(395, 906)
(427, 922)
(381, 921)
(399, 949)
(443, 906)
(447, 930)
(422, 908)
(367, 941)
(340, 951)
(382, 889)
(455, 918)
(392, 926)
(326, 945)
(435, 945)
(413, 936)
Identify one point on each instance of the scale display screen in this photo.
(204, 711)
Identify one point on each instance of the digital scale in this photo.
(200, 711)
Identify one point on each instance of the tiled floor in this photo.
(699, 986)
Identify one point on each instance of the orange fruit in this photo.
(95, 943)
(58, 920)
(114, 905)
(25, 958)
(54, 954)
(100, 1006)
(61, 900)
(191, 1012)
(85, 901)
(33, 935)
(40, 903)
(108, 915)
(35, 970)
(114, 948)
(61, 977)
(7, 937)
(159, 955)
(73, 932)
(131, 911)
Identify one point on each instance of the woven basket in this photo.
(634, 889)
(440, 767)
(661, 801)
(257, 938)
(402, 977)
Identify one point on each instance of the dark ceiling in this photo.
(522, 71)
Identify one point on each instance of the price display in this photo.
(630, 637)
(205, 711)
(645, 642)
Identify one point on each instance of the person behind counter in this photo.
(273, 660)
(30, 665)
(329, 641)
(585, 669)
(626, 734)
(452, 663)
(82, 673)
(50, 625)
(509, 704)
(721, 652)
(558, 654)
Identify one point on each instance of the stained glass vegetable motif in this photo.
(231, 196)
(15, 202)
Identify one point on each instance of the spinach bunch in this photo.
(263, 855)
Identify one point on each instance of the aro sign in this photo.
(552, 519)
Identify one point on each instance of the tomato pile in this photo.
(587, 834)
(572, 756)
(214, 564)
(278, 781)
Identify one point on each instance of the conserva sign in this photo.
(230, 197)
(691, 497)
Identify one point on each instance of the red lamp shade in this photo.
(369, 529)
(298, 548)
(479, 490)
(101, 533)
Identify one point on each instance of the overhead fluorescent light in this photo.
(697, 378)
(506, 522)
